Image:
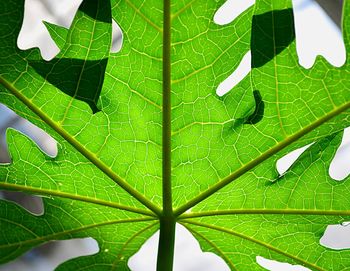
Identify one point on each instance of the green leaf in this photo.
(283, 220)
(66, 219)
(144, 141)
(82, 77)
(57, 33)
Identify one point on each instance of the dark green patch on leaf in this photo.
(272, 32)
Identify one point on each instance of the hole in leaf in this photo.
(9, 119)
(48, 256)
(336, 237)
(117, 38)
(188, 255)
(34, 33)
(242, 71)
(317, 34)
(31, 203)
(284, 163)
(340, 166)
(230, 10)
(279, 266)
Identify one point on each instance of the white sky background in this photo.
(316, 34)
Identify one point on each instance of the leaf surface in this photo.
(142, 133)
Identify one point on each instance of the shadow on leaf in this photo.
(78, 72)
(259, 109)
(272, 32)
(77, 78)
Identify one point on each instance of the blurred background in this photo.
(317, 33)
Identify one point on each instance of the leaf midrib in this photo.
(62, 194)
(257, 211)
(71, 231)
(166, 114)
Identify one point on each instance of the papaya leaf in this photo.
(145, 142)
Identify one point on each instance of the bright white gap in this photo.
(48, 256)
(117, 38)
(284, 163)
(188, 255)
(317, 34)
(242, 71)
(336, 237)
(230, 10)
(44, 141)
(278, 266)
(340, 166)
(33, 204)
(34, 33)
